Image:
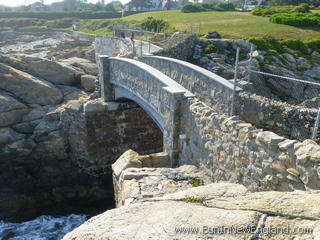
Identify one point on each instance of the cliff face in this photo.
(57, 140)
(41, 76)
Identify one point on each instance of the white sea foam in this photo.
(41, 228)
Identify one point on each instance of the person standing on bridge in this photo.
(132, 37)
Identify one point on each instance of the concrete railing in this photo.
(156, 93)
(207, 86)
(111, 46)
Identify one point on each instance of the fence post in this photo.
(141, 48)
(250, 62)
(316, 126)
(235, 82)
(149, 46)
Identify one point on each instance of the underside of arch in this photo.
(120, 93)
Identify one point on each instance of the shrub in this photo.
(272, 52)
(295, 44)
(210, 48)
(267, 44)
(154, 24)
(296, 19)
(192, 199)
(224, 6)
(258, 12)
(209, 6)
(188, 8)
(302, 8)
(275, 47)
(259, 42)
(197, 183)
(313, 44)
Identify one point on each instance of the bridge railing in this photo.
(207, 86)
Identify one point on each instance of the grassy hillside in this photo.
(234, 25)
(230, 24)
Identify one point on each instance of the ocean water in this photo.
(41, 228)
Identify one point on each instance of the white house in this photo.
(37, 6)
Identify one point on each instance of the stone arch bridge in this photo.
(186, 115)
(161, 86)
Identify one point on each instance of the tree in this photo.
(139, 4)
(71, 5)
(117, 4)
(98, 6)
(110, 8)
(183, 2)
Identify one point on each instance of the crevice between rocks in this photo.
(269, 214)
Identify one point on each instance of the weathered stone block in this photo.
(127, 160)
(285, 145)
(308, 150)
(157, 160)
(269, 138)
(88, 82)
(96, 105)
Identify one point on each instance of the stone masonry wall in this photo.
(182, 50)
(292, 121)
(106, 130)
(237, 152)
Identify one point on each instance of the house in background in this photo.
(154, 5)
(37, 6)
(251, 4)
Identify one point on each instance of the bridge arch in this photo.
(122, 93)
(156, 93)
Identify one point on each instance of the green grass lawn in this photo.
(233, 25)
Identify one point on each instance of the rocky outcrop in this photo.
(88, 82)
(39, 170)
(218, 56)
(182, 48)
(11, 110)
(176, 204)
(8, 135)
(82, 65)
(215, 211)
(52, 71)
(27, 87)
